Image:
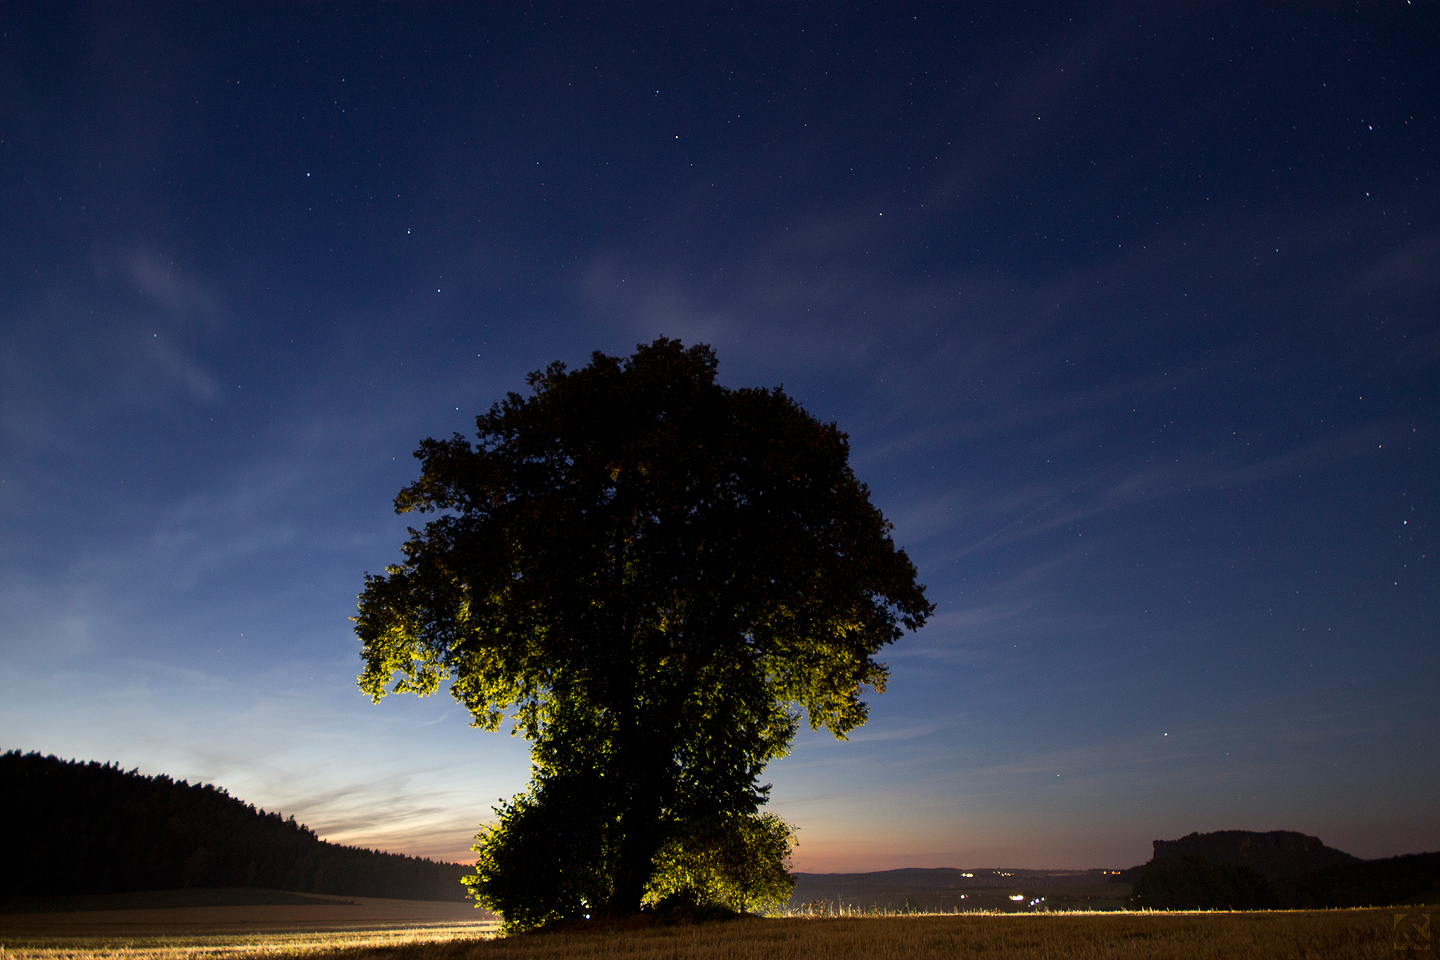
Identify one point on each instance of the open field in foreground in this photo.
(1272, 936)
(175, 924)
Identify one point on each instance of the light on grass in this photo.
(153, 942)
(1258, 935)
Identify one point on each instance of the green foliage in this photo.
(741, 863)
(1194, 883)
(543, 859)
(656, 576)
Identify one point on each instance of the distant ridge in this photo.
(72, 827)
(948, 889)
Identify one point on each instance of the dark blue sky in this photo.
(1130, 312)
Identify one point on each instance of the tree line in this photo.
(77, 828)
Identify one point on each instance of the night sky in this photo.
(1130, 313)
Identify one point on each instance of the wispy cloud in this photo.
(188, 310)
(182, 369)
(177, 292)
(1043, 89)
(46, 624)
(130, 338)
(1412, 269)
(1042, 508)
(871, 734)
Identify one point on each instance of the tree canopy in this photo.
(657, 576)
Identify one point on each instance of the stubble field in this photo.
(393, 930)
(220, 923)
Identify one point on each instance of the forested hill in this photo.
(73, 828)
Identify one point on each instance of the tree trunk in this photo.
(640, 835)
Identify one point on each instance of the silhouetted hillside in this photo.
(1194, 883)
(1414, 878)
(76, 828)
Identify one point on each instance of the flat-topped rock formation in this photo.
(1278, 854)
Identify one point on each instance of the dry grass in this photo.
(164, 926)
(261, 944)
(1271, 936)
(1193, 936)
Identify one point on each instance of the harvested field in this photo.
(1263, 936)
(174, 924)
(1267, 935)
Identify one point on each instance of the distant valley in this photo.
(946, 890)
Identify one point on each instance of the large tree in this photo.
(656, 574)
